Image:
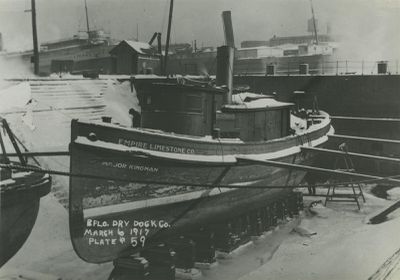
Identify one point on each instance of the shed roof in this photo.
(139, 47)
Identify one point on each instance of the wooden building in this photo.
(132, 57)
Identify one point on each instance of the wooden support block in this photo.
(223, 237)
(204, 245)
(185, 251)
(380, 215)
(132, 266)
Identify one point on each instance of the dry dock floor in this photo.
(332, 242)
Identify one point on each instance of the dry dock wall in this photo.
(369, 96)
(341, 95)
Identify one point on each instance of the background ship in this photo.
(86, 51)
(79, 53)
(279, 55)
(293, 54)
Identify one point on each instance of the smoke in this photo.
(203, 70)
(15, 66)
(366, 30)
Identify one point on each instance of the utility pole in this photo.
(87, 18)
(87, 22)
(315, 25)
(35, 40)
(171, 8)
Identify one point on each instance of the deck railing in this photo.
(331, 67)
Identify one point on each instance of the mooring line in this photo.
(91, 176)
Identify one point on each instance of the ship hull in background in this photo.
(20, 200)
(90, 58)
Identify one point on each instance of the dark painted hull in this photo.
(201, 205)
(19, 209)
(138, 185)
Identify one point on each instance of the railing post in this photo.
(323, 72)
(362, 67)
(337, 67)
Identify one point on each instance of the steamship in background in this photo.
(278, 55)
(77, 53)
(87, 50)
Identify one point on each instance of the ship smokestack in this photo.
(224, 77)
(225, 57)
(228, 29)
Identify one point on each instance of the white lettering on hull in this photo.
(120, 232)
(134, 167)
(155, 147)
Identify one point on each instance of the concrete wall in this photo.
(350, 95)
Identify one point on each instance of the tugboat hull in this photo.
(123, 198)
(19, 209)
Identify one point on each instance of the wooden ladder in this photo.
(332, 195)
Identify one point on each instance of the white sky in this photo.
(367, 27)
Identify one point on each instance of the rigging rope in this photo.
(90, 176)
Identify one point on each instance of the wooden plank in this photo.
(365, 119)
(316, 169)
(389, 269)
(38, 154)
(382, 213)
(366, 156)
(358, 138)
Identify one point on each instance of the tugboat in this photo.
(194, 159)
(20, 193)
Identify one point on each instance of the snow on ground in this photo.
(344, 247)
(48, 249)
(45, 124)
(119, 98)
(394, 194)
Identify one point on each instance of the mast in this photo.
(35, 40)
(171, 8)
(87, 21)
(315, 25)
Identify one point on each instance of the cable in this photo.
(90, 176)
(25, 148)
